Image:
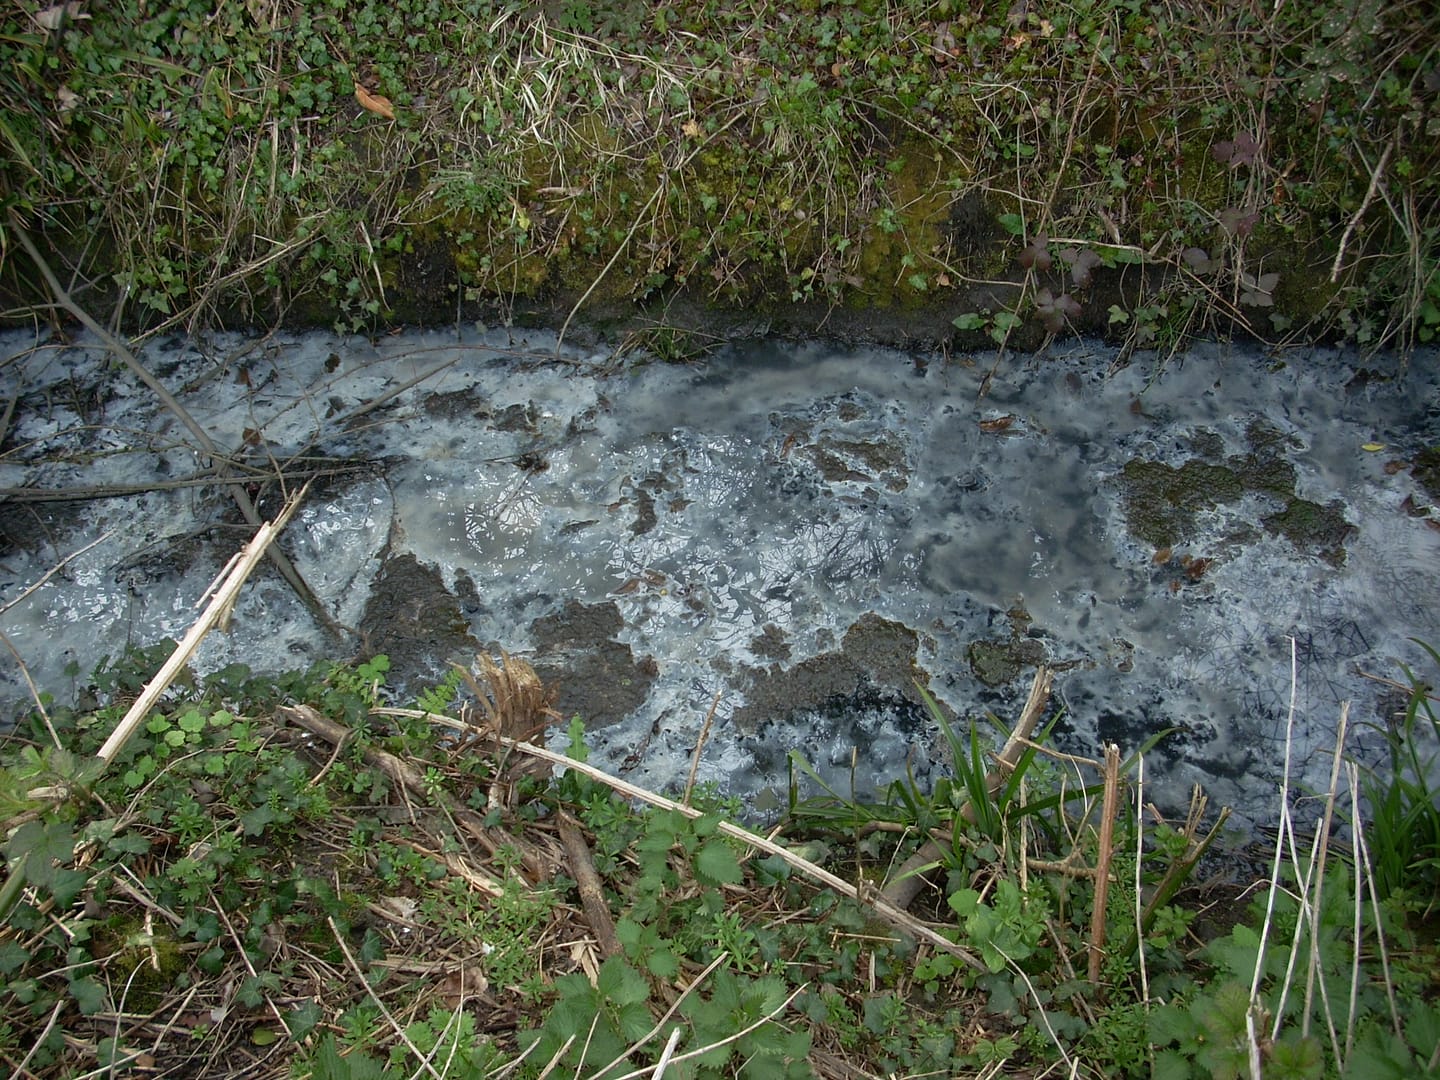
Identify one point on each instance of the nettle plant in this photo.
(1206, 272)
(1237, 222)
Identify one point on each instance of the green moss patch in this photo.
(997, 663)
(1311, 527)
(1162, 501)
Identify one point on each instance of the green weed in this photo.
(196, 165)
(1404, 807)
(228, 858)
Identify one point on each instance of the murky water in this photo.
(795, 531)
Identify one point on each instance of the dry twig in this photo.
(242, 498)
(1102, 861)
(870, 897)
(217, 610)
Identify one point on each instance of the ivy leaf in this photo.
(128, 844)
(716, 864)
(302, 1021)
(66, 885)
(12, 957)
(88, 994)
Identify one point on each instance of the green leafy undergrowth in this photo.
(1334, 972)
(221, 848)
(1207, 168)
(1403, 800)
(1304, 1027)
(236, 888)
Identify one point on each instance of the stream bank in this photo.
(908, 172)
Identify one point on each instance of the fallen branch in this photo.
(217, 610)
(1359, 213)
(868, 896)
(202, 478)
(587, 882)
(400, 773)
(141, 372)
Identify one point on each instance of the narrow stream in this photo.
(790, 534)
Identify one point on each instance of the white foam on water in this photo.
(780, 489)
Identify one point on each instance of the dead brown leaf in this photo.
(52, 18)
(380, 106)
(466, 982)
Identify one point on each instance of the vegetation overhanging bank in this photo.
(910, 169)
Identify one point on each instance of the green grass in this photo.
(1403, 802)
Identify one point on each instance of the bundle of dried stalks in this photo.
(513, 702)
(514, 706)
